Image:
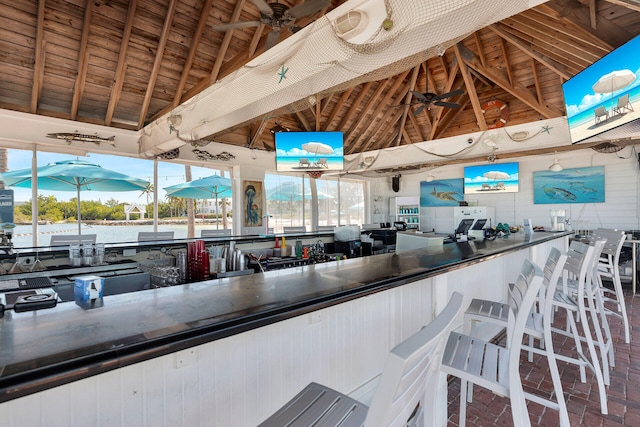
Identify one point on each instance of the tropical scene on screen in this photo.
(606, 94)
(494, 177)
(296, 151)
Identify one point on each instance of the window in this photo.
(340, 201)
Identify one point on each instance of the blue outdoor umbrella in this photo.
(74, 175)
(213, 186)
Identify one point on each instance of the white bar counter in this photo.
(229, 352)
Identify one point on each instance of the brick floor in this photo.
(583, 401)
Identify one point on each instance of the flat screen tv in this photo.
(305, 151)
(604, 95)
(491, 178)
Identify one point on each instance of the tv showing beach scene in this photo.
(304, 151)
(491, 178)
(606, 94)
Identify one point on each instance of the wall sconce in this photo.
(555, 166)
(430, 178)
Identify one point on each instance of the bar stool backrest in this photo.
(215, 233)
(411, 371)
(612, 248)
(149, 236)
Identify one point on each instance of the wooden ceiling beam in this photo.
(354, 105)
(364, 112)
(478, 41)
(304, 123)
(407, 97)
(507, 63)
(548, 18)
(255, 41)
(374, 128)
(517, 90)
(226, 41)
(380, 104)
(536, 80)
(382, 143)
(593, 12)
(471, 89)
(318, 113)
(559, 69)
(579, 14)
(83, 60)
(582, 55)
(416, 126)
(118, 78)
(448, 87)
(164, 35)
(195, 43)
(629, 4)
(336, 109)
(450, 116)
(38, 65)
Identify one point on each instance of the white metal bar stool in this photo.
(538, 327)
(492, 366)
(579, 269)
(608, 268)
(408, 381)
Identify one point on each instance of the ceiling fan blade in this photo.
(419, 95)
(446, 104)
(308, 8)
(450, 94)
(263, 6)
(419, 109)
(272, 38)
(236, 25)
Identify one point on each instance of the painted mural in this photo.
(444, 192)
(579, 185)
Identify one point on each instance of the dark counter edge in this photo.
(40, 379)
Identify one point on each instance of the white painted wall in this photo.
(620, 210)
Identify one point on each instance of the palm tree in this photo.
(148, 192)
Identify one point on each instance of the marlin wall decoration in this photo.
(77, 136)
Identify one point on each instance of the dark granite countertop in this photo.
(45, 348)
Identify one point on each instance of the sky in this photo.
(168, 174)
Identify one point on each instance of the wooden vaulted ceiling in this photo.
(125, 63)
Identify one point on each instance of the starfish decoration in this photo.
(282, 73)
(546, 129)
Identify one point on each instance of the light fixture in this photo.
(555, 166)
(430, 178)
(279, 128)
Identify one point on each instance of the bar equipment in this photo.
(557, 219)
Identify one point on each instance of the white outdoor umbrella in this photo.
(317, 148)
(614, 81)
(496, 175)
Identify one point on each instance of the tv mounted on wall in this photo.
(605, 95)
(305, 151)
(491, 178)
